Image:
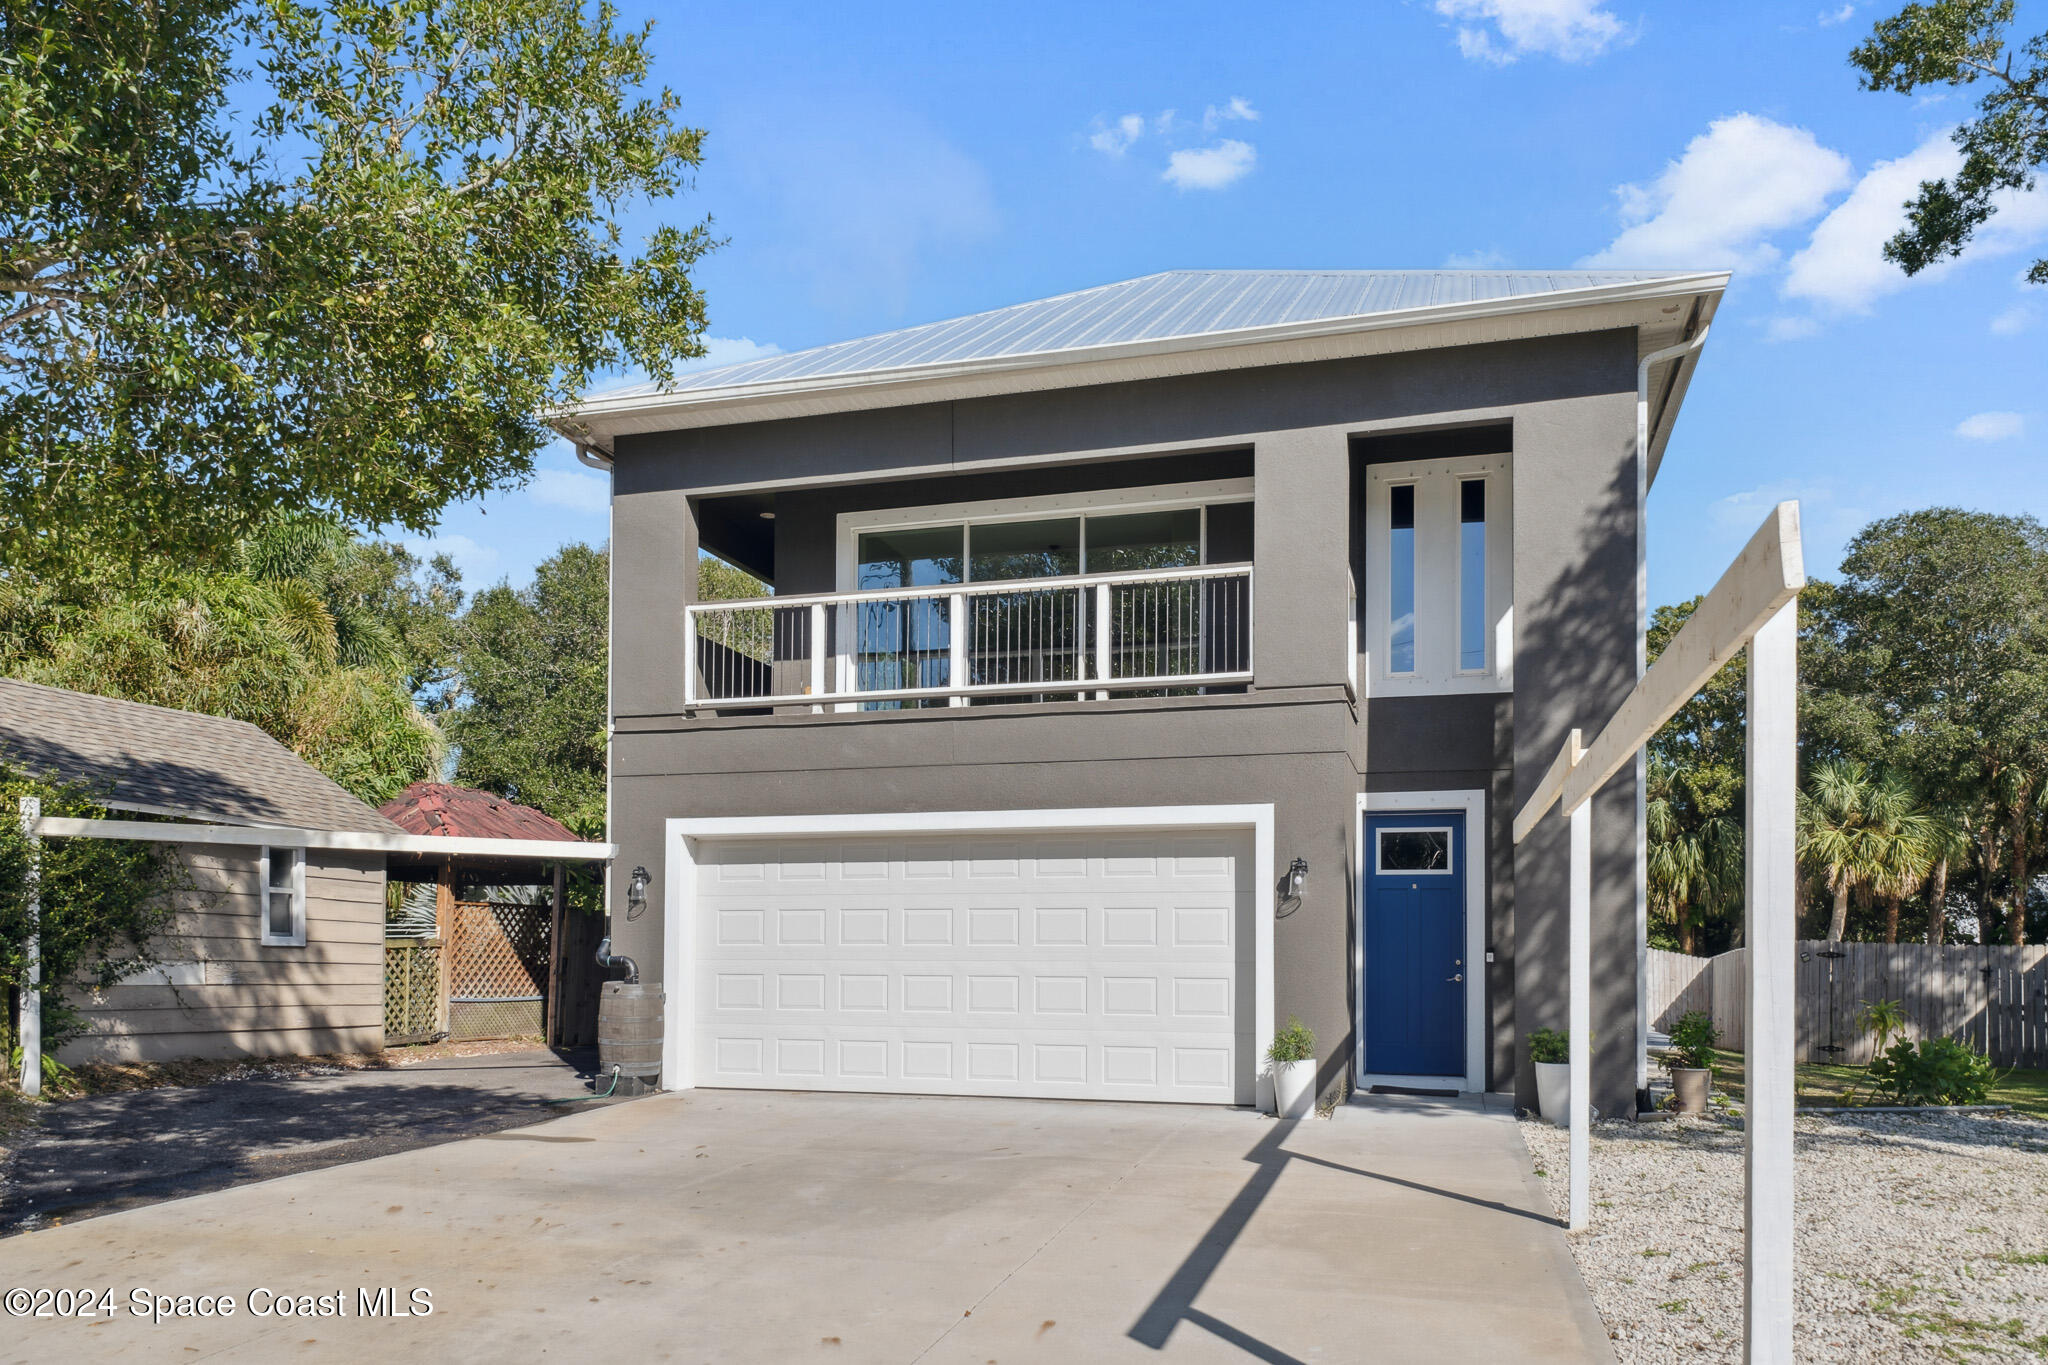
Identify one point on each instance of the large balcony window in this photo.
(1047, 598)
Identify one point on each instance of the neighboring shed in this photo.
(297, 968)
(514, 959)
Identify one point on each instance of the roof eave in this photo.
(587, 423)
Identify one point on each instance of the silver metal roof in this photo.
(1173, 304)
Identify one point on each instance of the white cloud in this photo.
(1210, 168)
(1488, 259)
(1991, 426)
(1114, 139)
(1500, 31)
(1843, 266)
(2014, 320)
(579, 492)
(1743, 179)
(474, 559)
(1840, 16)
(1239, 108)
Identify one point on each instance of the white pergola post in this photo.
(1770, 907)
(31, 1022)
(1580, 1015)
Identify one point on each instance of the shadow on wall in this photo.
(1575, 663)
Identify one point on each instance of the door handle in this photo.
(1459, 977)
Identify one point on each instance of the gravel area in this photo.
(1920, 1238)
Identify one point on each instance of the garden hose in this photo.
(581, 1099)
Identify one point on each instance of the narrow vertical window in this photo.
(1401, 580)
(1472, 575)
(284, 898)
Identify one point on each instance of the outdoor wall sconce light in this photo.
(1297, 874)
(636, 894)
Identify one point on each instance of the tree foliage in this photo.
(352, 278)
(532, 721)
(298, 638)
(1961, 43)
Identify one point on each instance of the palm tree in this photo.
(1837, 838)
(1690, 866)
(1906, 841)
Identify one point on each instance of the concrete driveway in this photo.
(120, 1151)
(725, 1226)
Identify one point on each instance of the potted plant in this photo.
(1293, 1059)
(1691, 1060)
(1551, 1051)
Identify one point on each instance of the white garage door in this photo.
(1099, 967)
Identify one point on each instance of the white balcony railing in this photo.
(1055, 638)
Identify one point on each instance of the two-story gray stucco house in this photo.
(1146, 665)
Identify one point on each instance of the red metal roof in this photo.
(466, 813)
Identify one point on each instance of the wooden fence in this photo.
(1994, 998)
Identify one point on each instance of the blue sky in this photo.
(881, 165)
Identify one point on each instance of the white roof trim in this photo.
(349, 841)
(596, 419)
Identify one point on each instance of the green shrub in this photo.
(1295, 1043)
(1938, 1071)
(1694, 1039)
(1550, 1045)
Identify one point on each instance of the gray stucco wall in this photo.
(1296, 741)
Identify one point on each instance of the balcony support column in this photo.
(1301, 554)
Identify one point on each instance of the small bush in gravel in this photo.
(1693, 1040)
(1938, 1071)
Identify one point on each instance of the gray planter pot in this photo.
(1554, 1091)
(1691, 1085)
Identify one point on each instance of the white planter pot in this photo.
(1294, 1089)
(1554, 1091)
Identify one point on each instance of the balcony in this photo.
(1156, 632)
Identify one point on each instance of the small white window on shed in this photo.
(284, 897)
(1439, 576)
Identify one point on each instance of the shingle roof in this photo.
(466, 813)
(1171, 305)
(155, 759)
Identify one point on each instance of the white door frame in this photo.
(678, 1071)
(1471, 803)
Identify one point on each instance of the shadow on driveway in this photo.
(111, 1152)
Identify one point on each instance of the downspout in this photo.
(1642, 869)
(598, 460)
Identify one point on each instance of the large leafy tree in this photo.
(351, 278)
(1943, 630)
(1964, 43)
(531, 724)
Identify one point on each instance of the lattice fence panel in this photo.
(412, 990)
(501, 951)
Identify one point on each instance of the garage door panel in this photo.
(1158, 1067)
(1088, 966)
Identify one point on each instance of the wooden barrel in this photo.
(629, 1035)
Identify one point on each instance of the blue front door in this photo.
(1415, 968)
